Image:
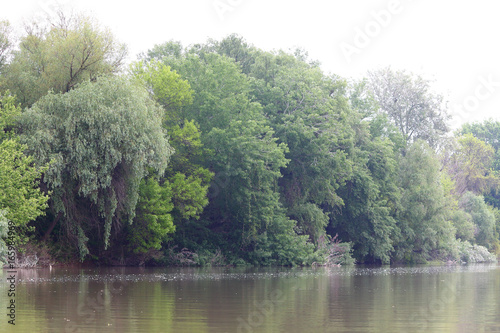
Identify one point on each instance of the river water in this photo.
(339, 299)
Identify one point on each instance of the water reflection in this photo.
(344, 299)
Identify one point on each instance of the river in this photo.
(339, 299)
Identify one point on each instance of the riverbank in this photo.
(40, 256)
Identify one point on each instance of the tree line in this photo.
(225, 154)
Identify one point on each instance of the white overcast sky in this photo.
(455, 43)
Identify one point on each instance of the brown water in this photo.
(345, 299)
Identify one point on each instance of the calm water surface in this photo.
(343, 299)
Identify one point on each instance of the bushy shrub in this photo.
(211, 258)
(332, 252)
(475, 253)
(182, 258)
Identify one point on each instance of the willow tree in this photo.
(59, 54)
(102, 137)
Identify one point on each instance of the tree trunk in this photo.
(51, 227)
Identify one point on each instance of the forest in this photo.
(225, 154)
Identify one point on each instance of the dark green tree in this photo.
(309, 113)
(370, 197)
(247, 206)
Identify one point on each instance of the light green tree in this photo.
(59, 54)
(489, 132)
(20, 195)
(153, 222)
(166, 86)
(470, 166)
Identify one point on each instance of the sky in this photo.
(455, 44)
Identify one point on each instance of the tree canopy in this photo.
(222, 153)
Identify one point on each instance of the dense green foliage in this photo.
(20, 199)
(153, 222)
(223, 153)
(424, 228)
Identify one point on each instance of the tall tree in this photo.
(309, 113)
(371, 198)
(60, 54)
(102, 137)
(410, 104)
(164, 52)
(248, 206)
(235, 47)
